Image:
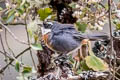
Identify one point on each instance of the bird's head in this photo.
(46, 28)
(49, 26)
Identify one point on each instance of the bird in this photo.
(65, 38)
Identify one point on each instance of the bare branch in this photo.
(15, 24)
(2, 45)
(111, 38)
(21, 53)
(5, 55)
(16, 38)
(8, 44)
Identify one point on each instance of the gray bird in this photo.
(64, 38)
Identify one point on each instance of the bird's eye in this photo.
(47, 25)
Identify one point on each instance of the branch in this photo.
(4, 68)
(15, 23)
(16, 38)
(6, 55)
(8, 44)
(25, 19)
(2, 45)
(111, 39)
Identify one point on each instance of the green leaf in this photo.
(36, 46)
(11, 13)
(48, 10)
(20, 11)
(11, 18)
(17, 66)
(81, 26)
(118, 26)
(96, 63)
(84, 65)
(44, 13)
(27, 69)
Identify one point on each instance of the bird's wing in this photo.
(92, 36)
(69, 28)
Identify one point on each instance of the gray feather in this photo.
(65, 38)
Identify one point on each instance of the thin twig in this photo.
(111, 38)
(12, 34)
(6, 55)
(8, 44)
(29, 39)
(21, 53)
(102, 5)
(2, 45)
(15, 24)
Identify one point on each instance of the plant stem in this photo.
(111, 39)
(29, 40)
(4, 68)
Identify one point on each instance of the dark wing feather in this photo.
(80, 36)
(92, 36)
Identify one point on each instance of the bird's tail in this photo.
(96, 36)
